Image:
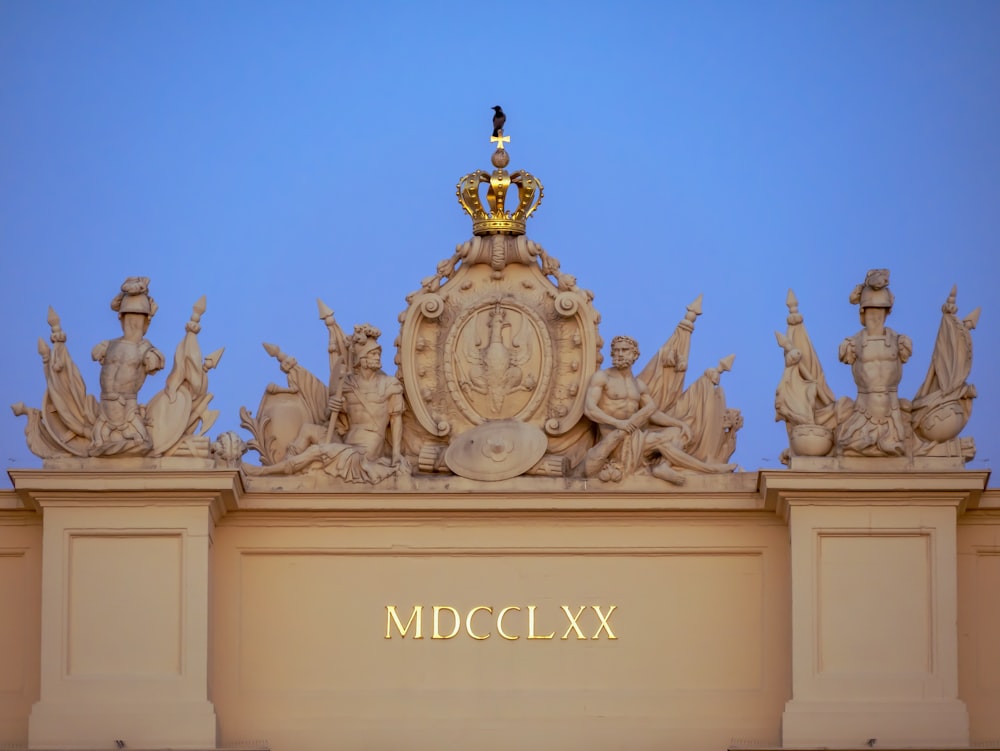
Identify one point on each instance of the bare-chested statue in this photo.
(634, 432)
(120, 427)
(876, 424)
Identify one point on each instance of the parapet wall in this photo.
(309, 620)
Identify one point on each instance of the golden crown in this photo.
(499, 221)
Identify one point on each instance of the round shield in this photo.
(496, 450)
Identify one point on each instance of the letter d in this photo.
(437, 630)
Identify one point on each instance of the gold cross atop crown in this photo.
(500, 140)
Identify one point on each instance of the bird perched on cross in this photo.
(499, 118)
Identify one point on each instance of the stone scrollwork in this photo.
(73, 423)
(431, 306)
(567, 304)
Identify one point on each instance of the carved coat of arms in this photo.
(492, 338)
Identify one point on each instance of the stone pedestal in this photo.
(874, 606)
(125, 606)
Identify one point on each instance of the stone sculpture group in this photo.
(498, 375)
(73, 423)
(878, 423)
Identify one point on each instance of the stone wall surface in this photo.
(20, 624)
(506, 543)
(695, 650)
(187, 604)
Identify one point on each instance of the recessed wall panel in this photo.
(874, 603)
(12, 623)
(988, 619)
(124, 605)
(317, 621)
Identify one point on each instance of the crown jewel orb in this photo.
(501, 157)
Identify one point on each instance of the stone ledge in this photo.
(220, 488)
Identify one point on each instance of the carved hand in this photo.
(847, 352)
(905, 348)
(627, 425)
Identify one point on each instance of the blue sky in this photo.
(266, 154)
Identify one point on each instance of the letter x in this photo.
(572, 622)
(604, 621)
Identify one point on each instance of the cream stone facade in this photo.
(177, 609)
(503, 545)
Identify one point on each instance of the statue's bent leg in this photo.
(663, 471)
(596, 457)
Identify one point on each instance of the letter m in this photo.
(391, 617)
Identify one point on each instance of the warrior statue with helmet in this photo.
(73, 423)
(125, 363)
(876, 354)
(877, 424)
(360, 438)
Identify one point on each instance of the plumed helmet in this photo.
(365, 340)
(874, 293)
(134, 297)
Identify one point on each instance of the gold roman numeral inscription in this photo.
(447, 622)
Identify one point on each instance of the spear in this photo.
(338, 361)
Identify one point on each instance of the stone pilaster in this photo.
(874, 606)
(125, 605)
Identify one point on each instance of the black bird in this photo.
(499, 118)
